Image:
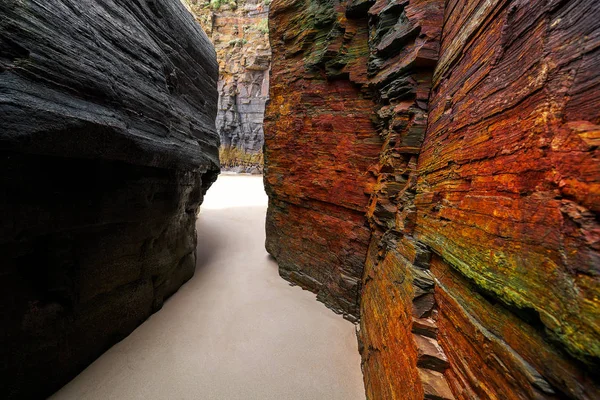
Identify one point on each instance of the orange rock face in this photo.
(508, 197)
(440, 160)
(320, 143)
(400, 362)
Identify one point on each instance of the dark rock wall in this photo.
(107, 145)
(476, 216)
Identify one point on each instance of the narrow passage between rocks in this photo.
(236, 330)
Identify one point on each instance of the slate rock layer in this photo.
(466, 178)
(107, 145)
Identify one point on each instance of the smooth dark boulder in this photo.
(107, 145)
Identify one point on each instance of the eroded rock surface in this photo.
(107, 143)
(239, 32)
(457, 203)
(320, 143)
(508, 198)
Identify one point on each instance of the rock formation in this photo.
(108, 143)
(432, 168)
(239, 32)
(320, 144)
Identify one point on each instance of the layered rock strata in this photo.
(477, 211)
(508, 198)
(108, 143)
(239, 32)
(320, 143)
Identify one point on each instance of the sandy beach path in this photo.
(236, 330)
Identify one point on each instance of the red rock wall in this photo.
(508, 197)
(320, 143)
(399, 362)
(480, 278)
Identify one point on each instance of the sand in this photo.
(236, 330)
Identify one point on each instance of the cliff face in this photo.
(320, 144)
(239, 32)
(508, 197)
(437, 163)
(108, 143)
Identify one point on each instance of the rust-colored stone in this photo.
(388, 350)
(403, 81)
(435, 386)
(320, 143)
(484, 192)
(507, 196)
(508, 188)
(492, 350)
(430, 354)
(425, 326)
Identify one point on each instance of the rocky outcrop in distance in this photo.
(432, 168)
(239, 31)
(107, 143)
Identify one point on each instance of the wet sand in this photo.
(236, 330)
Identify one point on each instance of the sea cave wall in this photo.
(432, 168)
(107, 143)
